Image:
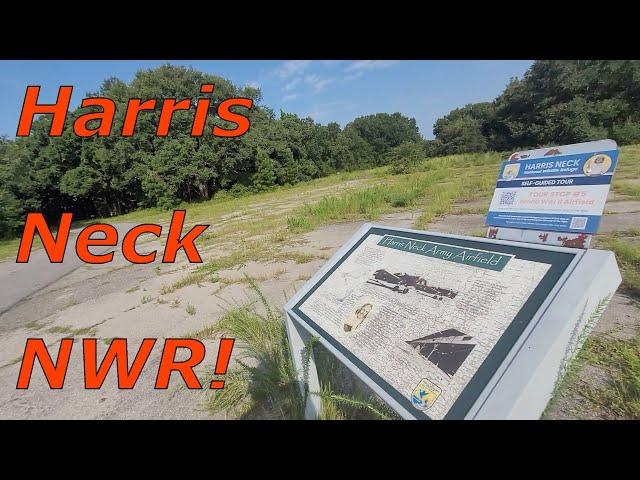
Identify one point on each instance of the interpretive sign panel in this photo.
(428, 318)
(559, 189)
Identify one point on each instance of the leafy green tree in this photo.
(384, 131)
(405, 157)
(353, 152)
(265, 174)
(9, 213)
(460, 132)
(555, 102)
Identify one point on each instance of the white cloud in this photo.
(317, 82)
(325, 111)
(292, 67)
(289, 98)
(292, 84)
(369, 65)
(359, 68)
(253, 84)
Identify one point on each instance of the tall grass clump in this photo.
(628, 256)
(628, 188)
(364, 204)
(620, 359)
(628, 164)
(433, 188)
(263, 382)
(343, 396)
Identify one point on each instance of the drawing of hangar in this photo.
(447, 349)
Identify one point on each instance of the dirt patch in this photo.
(619, 221)
(74, 402)
(627, 206)
(459, 224)
(87, 284)
(572, 405)
(621, 319)
(479, 205)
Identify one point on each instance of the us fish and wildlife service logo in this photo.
(425, 394)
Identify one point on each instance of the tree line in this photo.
(556, 102)
(103, 176)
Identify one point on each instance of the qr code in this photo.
(579, 223)
(507, 198)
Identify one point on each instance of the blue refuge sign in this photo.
(559, 189)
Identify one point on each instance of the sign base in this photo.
(560, 239)
(467, 364)
(299, 340)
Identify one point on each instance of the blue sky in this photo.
(326, 90)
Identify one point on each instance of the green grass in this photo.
(68, 304)
(9, 248)
(620, 359)
(221, 210)
(210, 211)
(298, 257)
(628, 256)
(480, 232)
(343, 396)
(263, 382)
(70, 331)
(572, 363)
(208, 331)
(628, 164)
(33, 325)
(225, 204)
(246, 252)
(628, 188)
(191, 279)
(619, 395)
(432, 190)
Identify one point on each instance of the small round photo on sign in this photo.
(597, 165)
(353, 319)
(511, 171)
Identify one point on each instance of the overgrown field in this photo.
(432, 186)
(262, 227)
